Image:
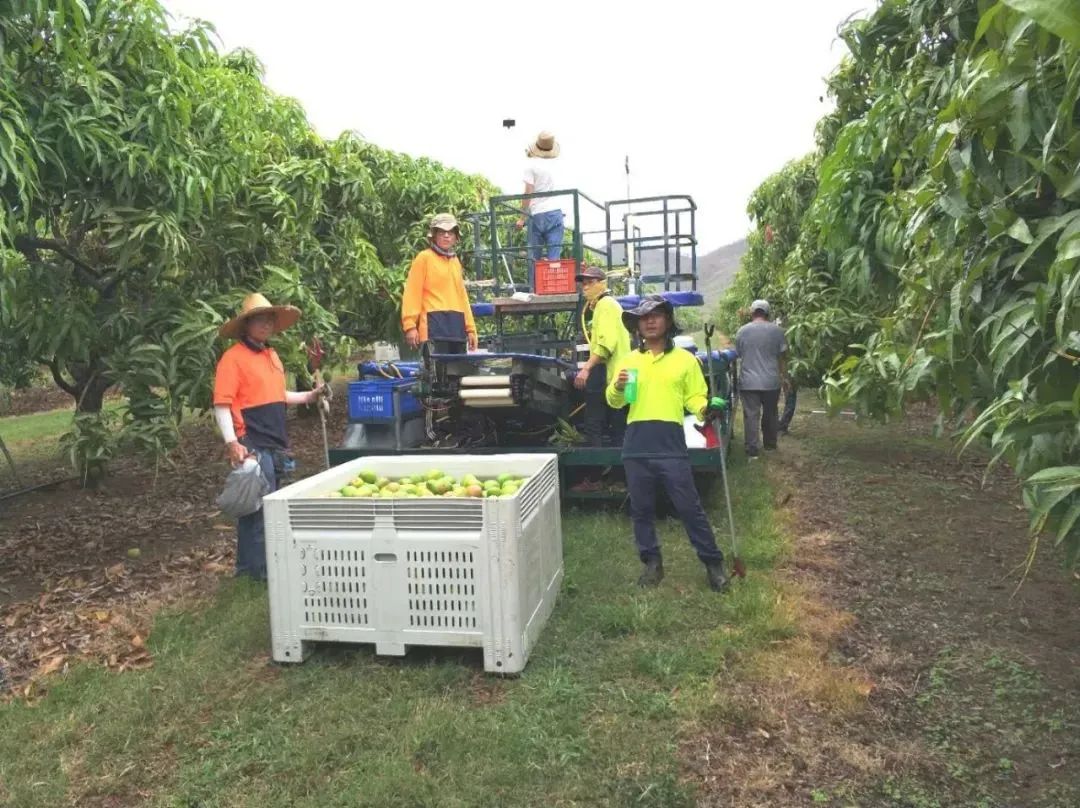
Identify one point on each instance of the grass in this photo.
(18, 430)
(619, 678)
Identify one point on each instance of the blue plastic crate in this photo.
(372, 400)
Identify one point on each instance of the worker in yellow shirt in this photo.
(435, 306)
(609, 342)
(668, 383)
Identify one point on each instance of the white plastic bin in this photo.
(430, 571)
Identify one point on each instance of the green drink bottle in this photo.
(630, 391)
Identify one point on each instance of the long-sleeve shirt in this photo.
(668, 385)
(608, 338)
(435, 301)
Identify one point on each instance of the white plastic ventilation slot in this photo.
(332, 514)
(442, 589)
(340, 596)
(535, 489)
(438, 516)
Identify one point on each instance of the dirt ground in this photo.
(71, 585)
(921, 675)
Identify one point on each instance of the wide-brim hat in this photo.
(649, 303)
(545, 146)
(284, 316)
(591, 272)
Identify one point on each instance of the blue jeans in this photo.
(250, 531)
(545, 234)
(644, 475)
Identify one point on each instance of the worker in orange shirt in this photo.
(250, 398)
(435, 307)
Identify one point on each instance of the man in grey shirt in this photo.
(763, 367)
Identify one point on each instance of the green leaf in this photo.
(1021, 232)
(1060, 17)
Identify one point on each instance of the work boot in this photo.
(652, 573)
(715, 575)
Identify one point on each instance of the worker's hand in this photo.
(471, 341)
(620, 382)
(581, 378)
(785, 384)
(320, 391)
(520, 223)
(412, 338)
(238, 452)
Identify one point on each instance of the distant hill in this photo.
(717, 269)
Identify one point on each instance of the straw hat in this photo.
(545, 146)
(284, 316)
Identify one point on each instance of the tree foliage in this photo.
(929, 248)
(147, 182)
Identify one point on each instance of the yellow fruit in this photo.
(459, 491)
(434, 474)
(475, 490)
(381, 482)
(350, 491)
(392, 487)
(134, 552)
(334, 494)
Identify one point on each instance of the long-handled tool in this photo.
(315, 354)
(737, 565)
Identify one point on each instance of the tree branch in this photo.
(70, 389)
(28, 246)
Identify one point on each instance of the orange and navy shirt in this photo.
(435, 302)
(251, 382)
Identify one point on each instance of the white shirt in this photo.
(538, 174)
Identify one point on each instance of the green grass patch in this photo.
(22, 429)
(619, 678)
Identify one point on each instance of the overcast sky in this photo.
(706, 98)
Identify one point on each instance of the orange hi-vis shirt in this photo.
(435, 302)
(252, 384)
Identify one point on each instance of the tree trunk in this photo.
(91, 394)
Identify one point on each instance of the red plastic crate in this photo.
(556, 277)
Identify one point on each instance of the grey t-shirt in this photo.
(760, 344)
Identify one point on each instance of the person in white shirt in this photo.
(543, 214)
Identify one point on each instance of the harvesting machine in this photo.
(516, 394)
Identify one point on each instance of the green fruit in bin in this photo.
(504, 478)
(335, 494)
(350, 491)
(380, 482)
(459, 491)
(509, 489)
(434, 474)
(393, 487)
(368, 476)
(387, 494)
(492, 492)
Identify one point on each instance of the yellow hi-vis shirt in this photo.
(608, 338)
(669, 384)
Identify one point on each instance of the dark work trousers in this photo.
(644, 476)
(759, 409)
(599, 417)
(789, 409)
(250, 530)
